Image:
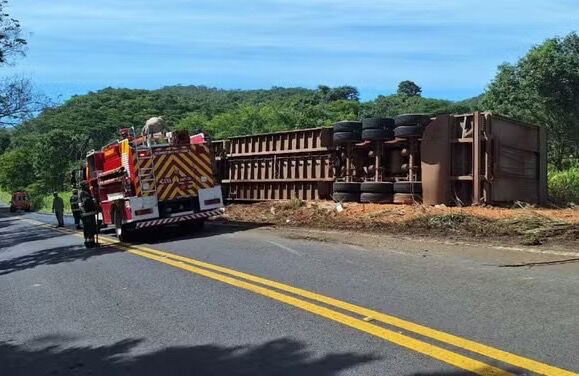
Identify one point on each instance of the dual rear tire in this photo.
(366, 192)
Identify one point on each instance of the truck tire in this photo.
(12, 209)
(348, 187)
(408, 131)
(377, 123)
(341, 138)
(376, 198)
(412, 119)
(412, 187)
(346, 196)
(347, 126)
(407, 198)
(377, 187)
(377, 134)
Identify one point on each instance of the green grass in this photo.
(5, 197)
(564, 185)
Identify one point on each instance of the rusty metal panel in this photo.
(316, 167)
(296, 141)
(435, 152)
(516, 160)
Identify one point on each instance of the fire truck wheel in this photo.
(122, 232)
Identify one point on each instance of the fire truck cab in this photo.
(154, 180)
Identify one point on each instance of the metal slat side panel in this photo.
(277, 166)
(259, 191)
(296, 141)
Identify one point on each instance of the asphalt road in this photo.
(238, 301)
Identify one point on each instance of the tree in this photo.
(16, 171)
(543, 88)
(346, 93)
(52, 154)
(408, 89)
(18, 102)
(11, 41)
(4, 140)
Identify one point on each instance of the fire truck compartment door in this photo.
(145, 207)
(210, 198)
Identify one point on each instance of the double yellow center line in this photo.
(353, 316)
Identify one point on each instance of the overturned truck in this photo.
(465, 159)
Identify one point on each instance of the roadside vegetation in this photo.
(564, 185)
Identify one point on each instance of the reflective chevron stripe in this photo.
(182, 218)
(183, 173)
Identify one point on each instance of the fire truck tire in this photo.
(12, 209)
(412, 119)
(347, 126)
(123, 234)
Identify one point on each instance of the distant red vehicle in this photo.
(20, 201)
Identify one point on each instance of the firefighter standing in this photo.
(58, 209)
(75, 207)
(88, 215)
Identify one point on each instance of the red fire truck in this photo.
(150, 181)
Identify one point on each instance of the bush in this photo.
(564, 185)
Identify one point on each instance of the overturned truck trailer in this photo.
(462, 159)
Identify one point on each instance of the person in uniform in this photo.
(88, 216)
(58, 209)
(75, 207)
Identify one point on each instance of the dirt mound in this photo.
(523, 225)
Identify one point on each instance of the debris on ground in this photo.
(522, 224)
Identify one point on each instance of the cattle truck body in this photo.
(139, 186)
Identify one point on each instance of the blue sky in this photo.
(449, 47)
